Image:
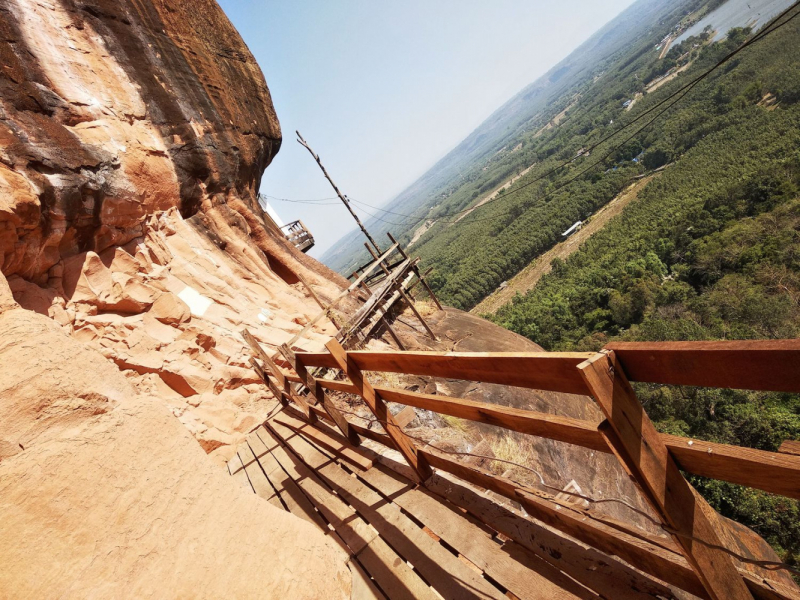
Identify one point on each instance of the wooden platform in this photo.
(446, 540)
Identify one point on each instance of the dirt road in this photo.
(526, 279)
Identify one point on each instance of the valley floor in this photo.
(527, 279)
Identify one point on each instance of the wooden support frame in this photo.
(636, 443)
(420, 276)
(403, 443)
(319, 393)
(413, 308)
(336, 300)
(283, 383)
(652, 555)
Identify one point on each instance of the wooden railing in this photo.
(695, 562)
(297, 233)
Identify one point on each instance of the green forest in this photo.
(709, 250)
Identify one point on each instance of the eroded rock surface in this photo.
(104, 494)
(133, 136)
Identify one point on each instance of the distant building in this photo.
(575, 227)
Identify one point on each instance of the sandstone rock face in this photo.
(133, 251)
(104, 494)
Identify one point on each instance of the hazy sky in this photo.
(383, 89)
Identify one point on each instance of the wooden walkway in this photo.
(446, 540)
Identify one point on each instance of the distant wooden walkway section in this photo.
(414, 524)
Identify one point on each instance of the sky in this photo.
(382, 90)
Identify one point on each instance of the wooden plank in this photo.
(258, 479)
(564, 429)
(553, 371)
(648, 555)
(291, 495)
(319, 393)
(442, 570)
(390, 571)
(790, 447)
(606, 575)
(636, 443)
(773, 472)
(378, 407)
(352, 529)
(768, 365)
(336, 444)
(363, 587)
(525, 575)
(405, 416)
(236, 470)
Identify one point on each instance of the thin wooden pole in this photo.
(342, 197)
(404, 444)
(634, 440)
(375, 256)
(416, 312)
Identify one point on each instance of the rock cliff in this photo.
(133, 136)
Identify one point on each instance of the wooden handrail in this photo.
(765, 365)
(773, 472)
(554, 371)
(637, 548)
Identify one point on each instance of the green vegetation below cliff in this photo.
(709, 250)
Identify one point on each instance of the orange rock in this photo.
(170, 309)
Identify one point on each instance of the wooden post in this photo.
(416, 312)
(404, 444)
(276, 373)
(279, 394)
(416, 270)
(319, 393)
(636, 443)
(392, 333)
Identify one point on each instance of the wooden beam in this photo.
(282, 382)
(378, 407)
(554, 427)
(319, 393)
(393, 334)
(636, 443)
(405, 416)
(790, 447)
(767, 365)
(553, 371)
(413, 308)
